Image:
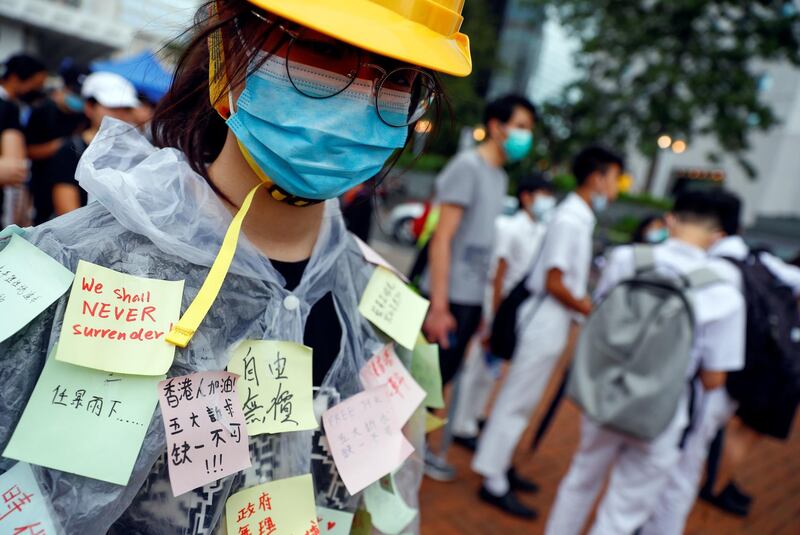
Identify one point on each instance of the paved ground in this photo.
(772, 476)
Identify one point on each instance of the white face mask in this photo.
(543, 207)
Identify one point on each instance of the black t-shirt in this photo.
(323, 332)
(9, 120)
(60, 169)
(46, 123)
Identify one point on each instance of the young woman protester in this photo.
(276, 109)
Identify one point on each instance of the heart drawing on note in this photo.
(331, 525)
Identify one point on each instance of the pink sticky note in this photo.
(205, 427)
(372, 256)
(385, 368)
(364, 439)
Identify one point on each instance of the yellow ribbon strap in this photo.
(182, 332)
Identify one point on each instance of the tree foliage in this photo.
(679, 67)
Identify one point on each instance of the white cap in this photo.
(110, 90)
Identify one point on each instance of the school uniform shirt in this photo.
(518, 241)
(736, 248)
(719, 308)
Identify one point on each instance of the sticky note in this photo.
(372, 256)
(30, 281)
(426, 371)
(388, 511)
(275, 386)
(433, 422)
(204, 424)
(25, 508)
(362, 523)
(393, 307)
(118, 322)
(85, 421)
(365, 441)
(282, 507)
(333, 521)
(385, 368)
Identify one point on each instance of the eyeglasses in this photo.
(403, 95)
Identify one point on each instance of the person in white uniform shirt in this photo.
(517, 240)
(639, 469)
(718, 407)
(558, 284)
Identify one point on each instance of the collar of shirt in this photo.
(577, 206)
(730, 246)
(685, 249)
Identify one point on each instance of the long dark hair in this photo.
(185, 119)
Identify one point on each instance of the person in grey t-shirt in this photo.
(470, 192)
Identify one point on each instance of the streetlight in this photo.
(479, 134)
(423, 126)
(678, 146)
(664, 141)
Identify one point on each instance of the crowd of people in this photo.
(674, 346)
(46, 122)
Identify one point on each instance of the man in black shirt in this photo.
(19, 76)
(51, 127)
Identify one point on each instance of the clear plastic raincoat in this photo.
(155, 217)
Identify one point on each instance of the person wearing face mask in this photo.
(54, 124)
(558, 286)
(276, 108)
(652, 229)
(469, 192)
(517, 239)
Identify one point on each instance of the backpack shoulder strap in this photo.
(643, 258)
(703, 277)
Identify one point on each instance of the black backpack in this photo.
(503, 337)
(768, 387)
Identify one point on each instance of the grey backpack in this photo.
(632, 358)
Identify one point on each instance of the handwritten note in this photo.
(282, 507)
(333, 521)
(30, 281)
(85, 421)
(275, 386)
(425, 369)
(118, 323)
(385, 368)
(372, 256)
(362, 523)
(393, 307)
(365, 440)
(386, 507)
(24, 508)
(206, 434)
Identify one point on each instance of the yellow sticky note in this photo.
(282, 507)
(362, 523)
(118, 323)
(393, 307)
(432, 422)
(426, 371)
(275, 386)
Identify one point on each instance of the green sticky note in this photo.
(118, 322)
(275, 386)
(393, 307)
(388, 511)
(334, 521)
(425, 370)
(282, 506)
(362, 523)
(30, 281)
(85, 421)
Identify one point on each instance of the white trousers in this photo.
(475, 385)
(543, 332)
(639, 471)
(678, 496)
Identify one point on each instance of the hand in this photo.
(585, 306)
(438, 325)
(13, 172)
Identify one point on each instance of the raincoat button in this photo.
(290, 302)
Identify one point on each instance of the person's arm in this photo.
(786, 273)
(66, 198)
(497, 283)
(712, 379)
(42, 151)
(439, 322)
(722, 341)
(554, 284)
(13, 168)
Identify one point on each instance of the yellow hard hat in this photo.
(421, 32)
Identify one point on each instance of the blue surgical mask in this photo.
(518, 144)
(599, 202)
(543, 207)
(313, 148)
(73, 102)
(656, 235)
